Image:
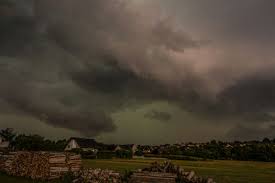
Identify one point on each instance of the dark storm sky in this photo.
(193, 70)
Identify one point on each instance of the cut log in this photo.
(39, 165)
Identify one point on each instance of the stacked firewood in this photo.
(40, 165)
(160, 177)
(22, 164)
(98, 176)
(2, 162)
(191, 177)
(74, 163)
(58, 165)
(165, 167)
(7, 162)
(161, 170)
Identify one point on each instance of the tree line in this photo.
(22, 142)
(248, 151)
(245, 151)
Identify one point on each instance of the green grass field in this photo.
(221, 171)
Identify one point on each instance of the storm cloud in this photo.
(83, 60)
(73, 62)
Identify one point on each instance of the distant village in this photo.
(33, 156)
(89, 148)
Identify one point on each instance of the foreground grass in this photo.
(9, 179)
(221, 171)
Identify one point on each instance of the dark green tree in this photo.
(266, 141)
(8, 134)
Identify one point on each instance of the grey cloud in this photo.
(251, 95)
(69, 70)
(86, 59)
(241, 132)
(250, 100)
(246, 20)
(158, 115)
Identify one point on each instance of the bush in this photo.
(88, 155)
(124, 154)
(105, 155)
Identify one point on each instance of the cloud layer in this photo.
(87, 59)
(75, 65)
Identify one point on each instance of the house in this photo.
(3, 143)
(129, 147)
(132, 147)
(146, 149)
(117, 148)
(83, 144)
(228, 146)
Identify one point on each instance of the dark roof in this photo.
(86, 143)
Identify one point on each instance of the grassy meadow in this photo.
(221, 171)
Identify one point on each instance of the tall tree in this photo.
(8, 134)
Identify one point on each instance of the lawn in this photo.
(221, 171)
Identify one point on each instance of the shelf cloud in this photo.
(73, 62)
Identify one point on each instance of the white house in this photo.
(118, 148)
(83, 144)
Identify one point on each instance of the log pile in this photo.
(39, 165)
(157, 177)
(167, 172)
(6, 162)
(74, 162)
(98, 176)
(166, 167)
(47, 166)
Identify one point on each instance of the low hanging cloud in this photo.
(73, 62)
(72, 67)
(158, 115)
(241, 132)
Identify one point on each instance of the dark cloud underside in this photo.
(74, 63)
